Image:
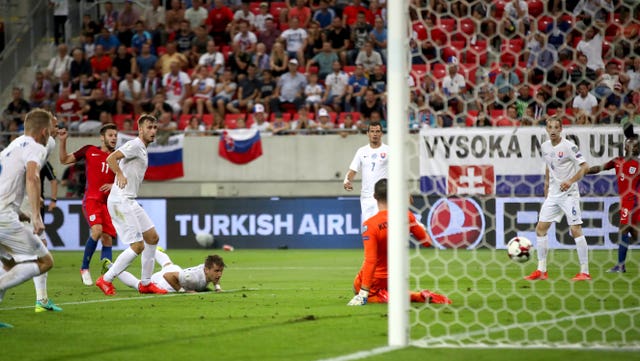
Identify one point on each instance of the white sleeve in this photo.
(130, 149)
(37, 153)
(576, 155)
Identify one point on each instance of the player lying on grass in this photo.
(173, 278)
(627, 170)
(370, 285)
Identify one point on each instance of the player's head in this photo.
(213, 268)
(631, 147)
(374, 131)
(147, 128)
(380, 190)
(37, 124)
(109, 136)
(554, 128)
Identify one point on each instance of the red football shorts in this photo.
(629, 212)
(95, 212)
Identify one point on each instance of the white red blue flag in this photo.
(165, 159)
(240, 146)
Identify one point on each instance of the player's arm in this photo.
(65, 158)
(599, 168)
(33, 192)
(112, 161)
(173, 280)
(546, 182)
(348, 179)
(417, 230)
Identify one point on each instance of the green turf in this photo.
(291, 305)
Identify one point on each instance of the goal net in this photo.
(478, 176)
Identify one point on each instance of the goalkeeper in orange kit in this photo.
(370, 284)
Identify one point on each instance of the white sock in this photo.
(41, 287)
(148, 261)
(122, 262)
(162, 258)
(542, 248)
(128, 279)
(583, 254)
(19, 274)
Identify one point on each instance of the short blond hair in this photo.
(36, 120)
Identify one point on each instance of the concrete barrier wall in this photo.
(297, 165)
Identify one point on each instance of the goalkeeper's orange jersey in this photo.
(374, 238)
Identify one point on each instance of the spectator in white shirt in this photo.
(296, 40)
(584, 103)
(454, 86)
(196, 15)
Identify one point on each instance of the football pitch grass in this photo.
(291, 305)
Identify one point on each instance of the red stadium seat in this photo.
(469, 73)
(231, 120)
(536, 7)
(354, 115)
(276, 8)
(421, 30)
(544, 22)
(254, 7)
(467, 26)
(472, 118)
(477, 53)
(499, 8)
(208, 119)
(349, 69)
(183, 121)
(447, 25)
(287, 117)
(439, 71)
(118, 120)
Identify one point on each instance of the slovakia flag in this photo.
(240, 146)
(165, 160)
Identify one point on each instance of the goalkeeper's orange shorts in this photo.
(377, 293)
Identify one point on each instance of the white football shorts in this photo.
(555, 207)
(17, 240)
(158, 277)
(129, 219)
(369, 208)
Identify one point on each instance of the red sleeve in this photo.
(370, 240)
(418, 231)
(610, 164)
(229, 14)
(81, 153)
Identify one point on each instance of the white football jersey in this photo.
(193, 278)
(134, 166)
(13, 168)
(563, 161)
(373, 163)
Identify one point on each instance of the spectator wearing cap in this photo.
(290, 89)
(261, 18)
(260, 119)
(324, 124)
(295, 39)
(196, 15)
(324, 15)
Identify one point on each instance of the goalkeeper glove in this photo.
(360, 299)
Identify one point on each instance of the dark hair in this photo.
(380, 190)
(374, 124)
(106, 127)
(212, 260)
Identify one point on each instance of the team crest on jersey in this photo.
(560, 154)
(383, 155)
(92, 217)
(632, 170)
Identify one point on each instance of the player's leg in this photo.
(129, 279)
(369, 207)
(151, 238)
(162, 258)
(89, 248)
(108, 234)
(125, 224)
(549, 212)
(571, 208)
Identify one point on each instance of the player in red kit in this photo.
(94, 204)
(627, 169)
(370, 284)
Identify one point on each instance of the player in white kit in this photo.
(565, 166)
(372, 160)
(20, 165)
(173, 278)
(132, 224)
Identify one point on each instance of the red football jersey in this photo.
(627, 173)
(98, 172)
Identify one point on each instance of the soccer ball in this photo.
(205, 240)
(519, 249)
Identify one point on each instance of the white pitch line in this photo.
(433, 343)
(133, 298)
(363, 354)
